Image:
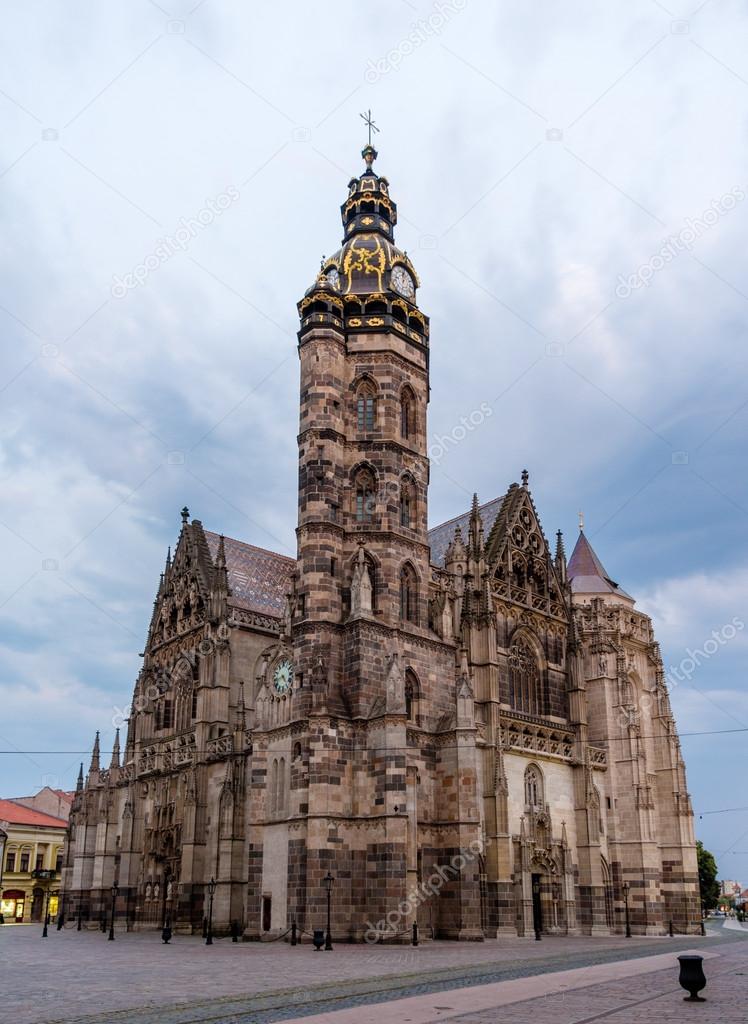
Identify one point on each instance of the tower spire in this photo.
(79, 782)
(115, 751)
(95, 754)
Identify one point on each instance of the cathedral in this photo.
(454, 728)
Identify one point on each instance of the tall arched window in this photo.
(525, 691)
(407, 413)
(271, 791)
(280, 793)
(411, 695)
(533, 787)
(407, 503)
(408, 594)
(366, 406)
(365, 486)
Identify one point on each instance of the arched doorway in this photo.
(37, 904)
(607, 893)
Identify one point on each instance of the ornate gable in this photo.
(518, 556)
(184, 597)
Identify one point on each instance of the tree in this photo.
(708, 885)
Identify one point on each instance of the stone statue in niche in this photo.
(361, 589)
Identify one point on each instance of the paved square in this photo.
(81, 976)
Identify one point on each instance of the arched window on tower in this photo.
(407, 413)
(533, 788)
(408, 594)
(411, 696)
(407, 503)
(525, 691)
(366, 407)
(364, 488)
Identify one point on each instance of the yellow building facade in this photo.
(31, 864)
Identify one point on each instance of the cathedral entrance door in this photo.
(537, 907)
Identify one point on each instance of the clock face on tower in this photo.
(282, 677)
(402, 282)
(333, 278)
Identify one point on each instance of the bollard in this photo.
(294, 940)
(415, 933)
(670, 929)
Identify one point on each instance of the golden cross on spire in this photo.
(369, 123)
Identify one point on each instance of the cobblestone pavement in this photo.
(80, 976)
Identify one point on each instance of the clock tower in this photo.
(369, 672)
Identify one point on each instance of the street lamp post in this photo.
(328, 882)
(115, 893)
(536, 909)
(45, 906)
(211, 894)
(61, 913)
(626, 888)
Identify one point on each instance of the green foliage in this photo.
(707, 877)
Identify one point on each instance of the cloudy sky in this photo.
(572, 182)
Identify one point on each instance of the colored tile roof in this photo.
(441, 535)
(587, 573)
(259, 579)
(17, 814)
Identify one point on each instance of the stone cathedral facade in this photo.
(464, 729)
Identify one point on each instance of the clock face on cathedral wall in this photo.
(282, 677)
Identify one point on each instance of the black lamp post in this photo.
(115, 893)
(45, 907)
(536, 909)
(211, 894)
(61, 913)
(626, 888)
(166, 891)
(328, 882)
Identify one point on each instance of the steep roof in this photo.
(259, 579)
(441, 535)
(18, 814)
(587, 573)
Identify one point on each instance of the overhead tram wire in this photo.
(611, 739)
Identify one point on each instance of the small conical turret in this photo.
(79, 783)
(456, 552)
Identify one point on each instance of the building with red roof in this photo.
(31, 863)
